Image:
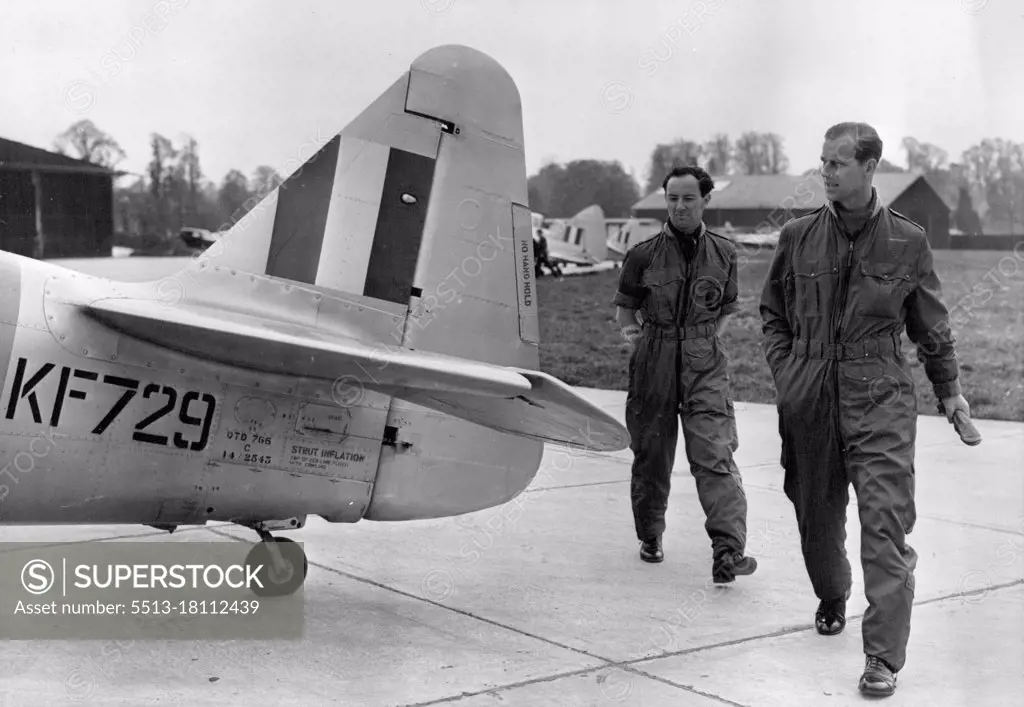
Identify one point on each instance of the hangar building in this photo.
(752, 201)
(53, 206)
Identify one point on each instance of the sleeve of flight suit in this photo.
(731, 297)
(778, 337)
(631, 292)
(929, 328)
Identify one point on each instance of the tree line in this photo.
(985, 189)
(174, 193)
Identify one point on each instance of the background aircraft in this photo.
(199, 238)
(363, 344)
(622, 234)
(581, 240)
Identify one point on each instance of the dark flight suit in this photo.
(678, 368)
(540, 252)
(848, 411)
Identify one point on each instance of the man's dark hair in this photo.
(703, 178)
(867, 144)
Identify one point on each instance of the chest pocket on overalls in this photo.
(812, 287)
(883, 288)
(664, 288)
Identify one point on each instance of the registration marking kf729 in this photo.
(25, 390)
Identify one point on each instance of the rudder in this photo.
(474, 294)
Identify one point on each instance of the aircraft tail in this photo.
(403, 247)
(618, 238)
(582, 239)
(632, 232)
(417, 207)
(594, 233)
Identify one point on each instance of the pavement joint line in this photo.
(462, 612)
(681, 473)
(510, 686)
(802, 628)
(573, 673)
(608, 662)
(952, 442)
(687, 688)
(627, 665)
(542, 489)
(772, 489)
(962, 595)
(631, 663)
(976, 526)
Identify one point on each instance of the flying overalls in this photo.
(833, 311)
(679, 368)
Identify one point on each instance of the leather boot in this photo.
(878, 679)
(650, 550)
(727, 565)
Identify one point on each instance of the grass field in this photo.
(983, 289)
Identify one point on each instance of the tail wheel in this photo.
(278, 578)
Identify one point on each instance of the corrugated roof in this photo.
(17, 155)
(781, 191)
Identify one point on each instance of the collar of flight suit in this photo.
(667, 230)
(876, 197)
(839, 224)
(688, 256)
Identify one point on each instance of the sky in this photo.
(255, 81)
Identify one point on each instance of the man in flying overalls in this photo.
(847, 279)
(683, 283)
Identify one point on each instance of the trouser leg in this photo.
(885, 497)
(880, 429)
(709, 432)
(652, 423)
(820, 497)
(815, 477)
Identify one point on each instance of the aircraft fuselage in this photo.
(96, 427)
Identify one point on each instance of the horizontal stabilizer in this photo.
(291, 349)
(551, 412)
(509, 399)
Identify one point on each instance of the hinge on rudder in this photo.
(447, 126)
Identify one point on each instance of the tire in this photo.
(274, 585)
